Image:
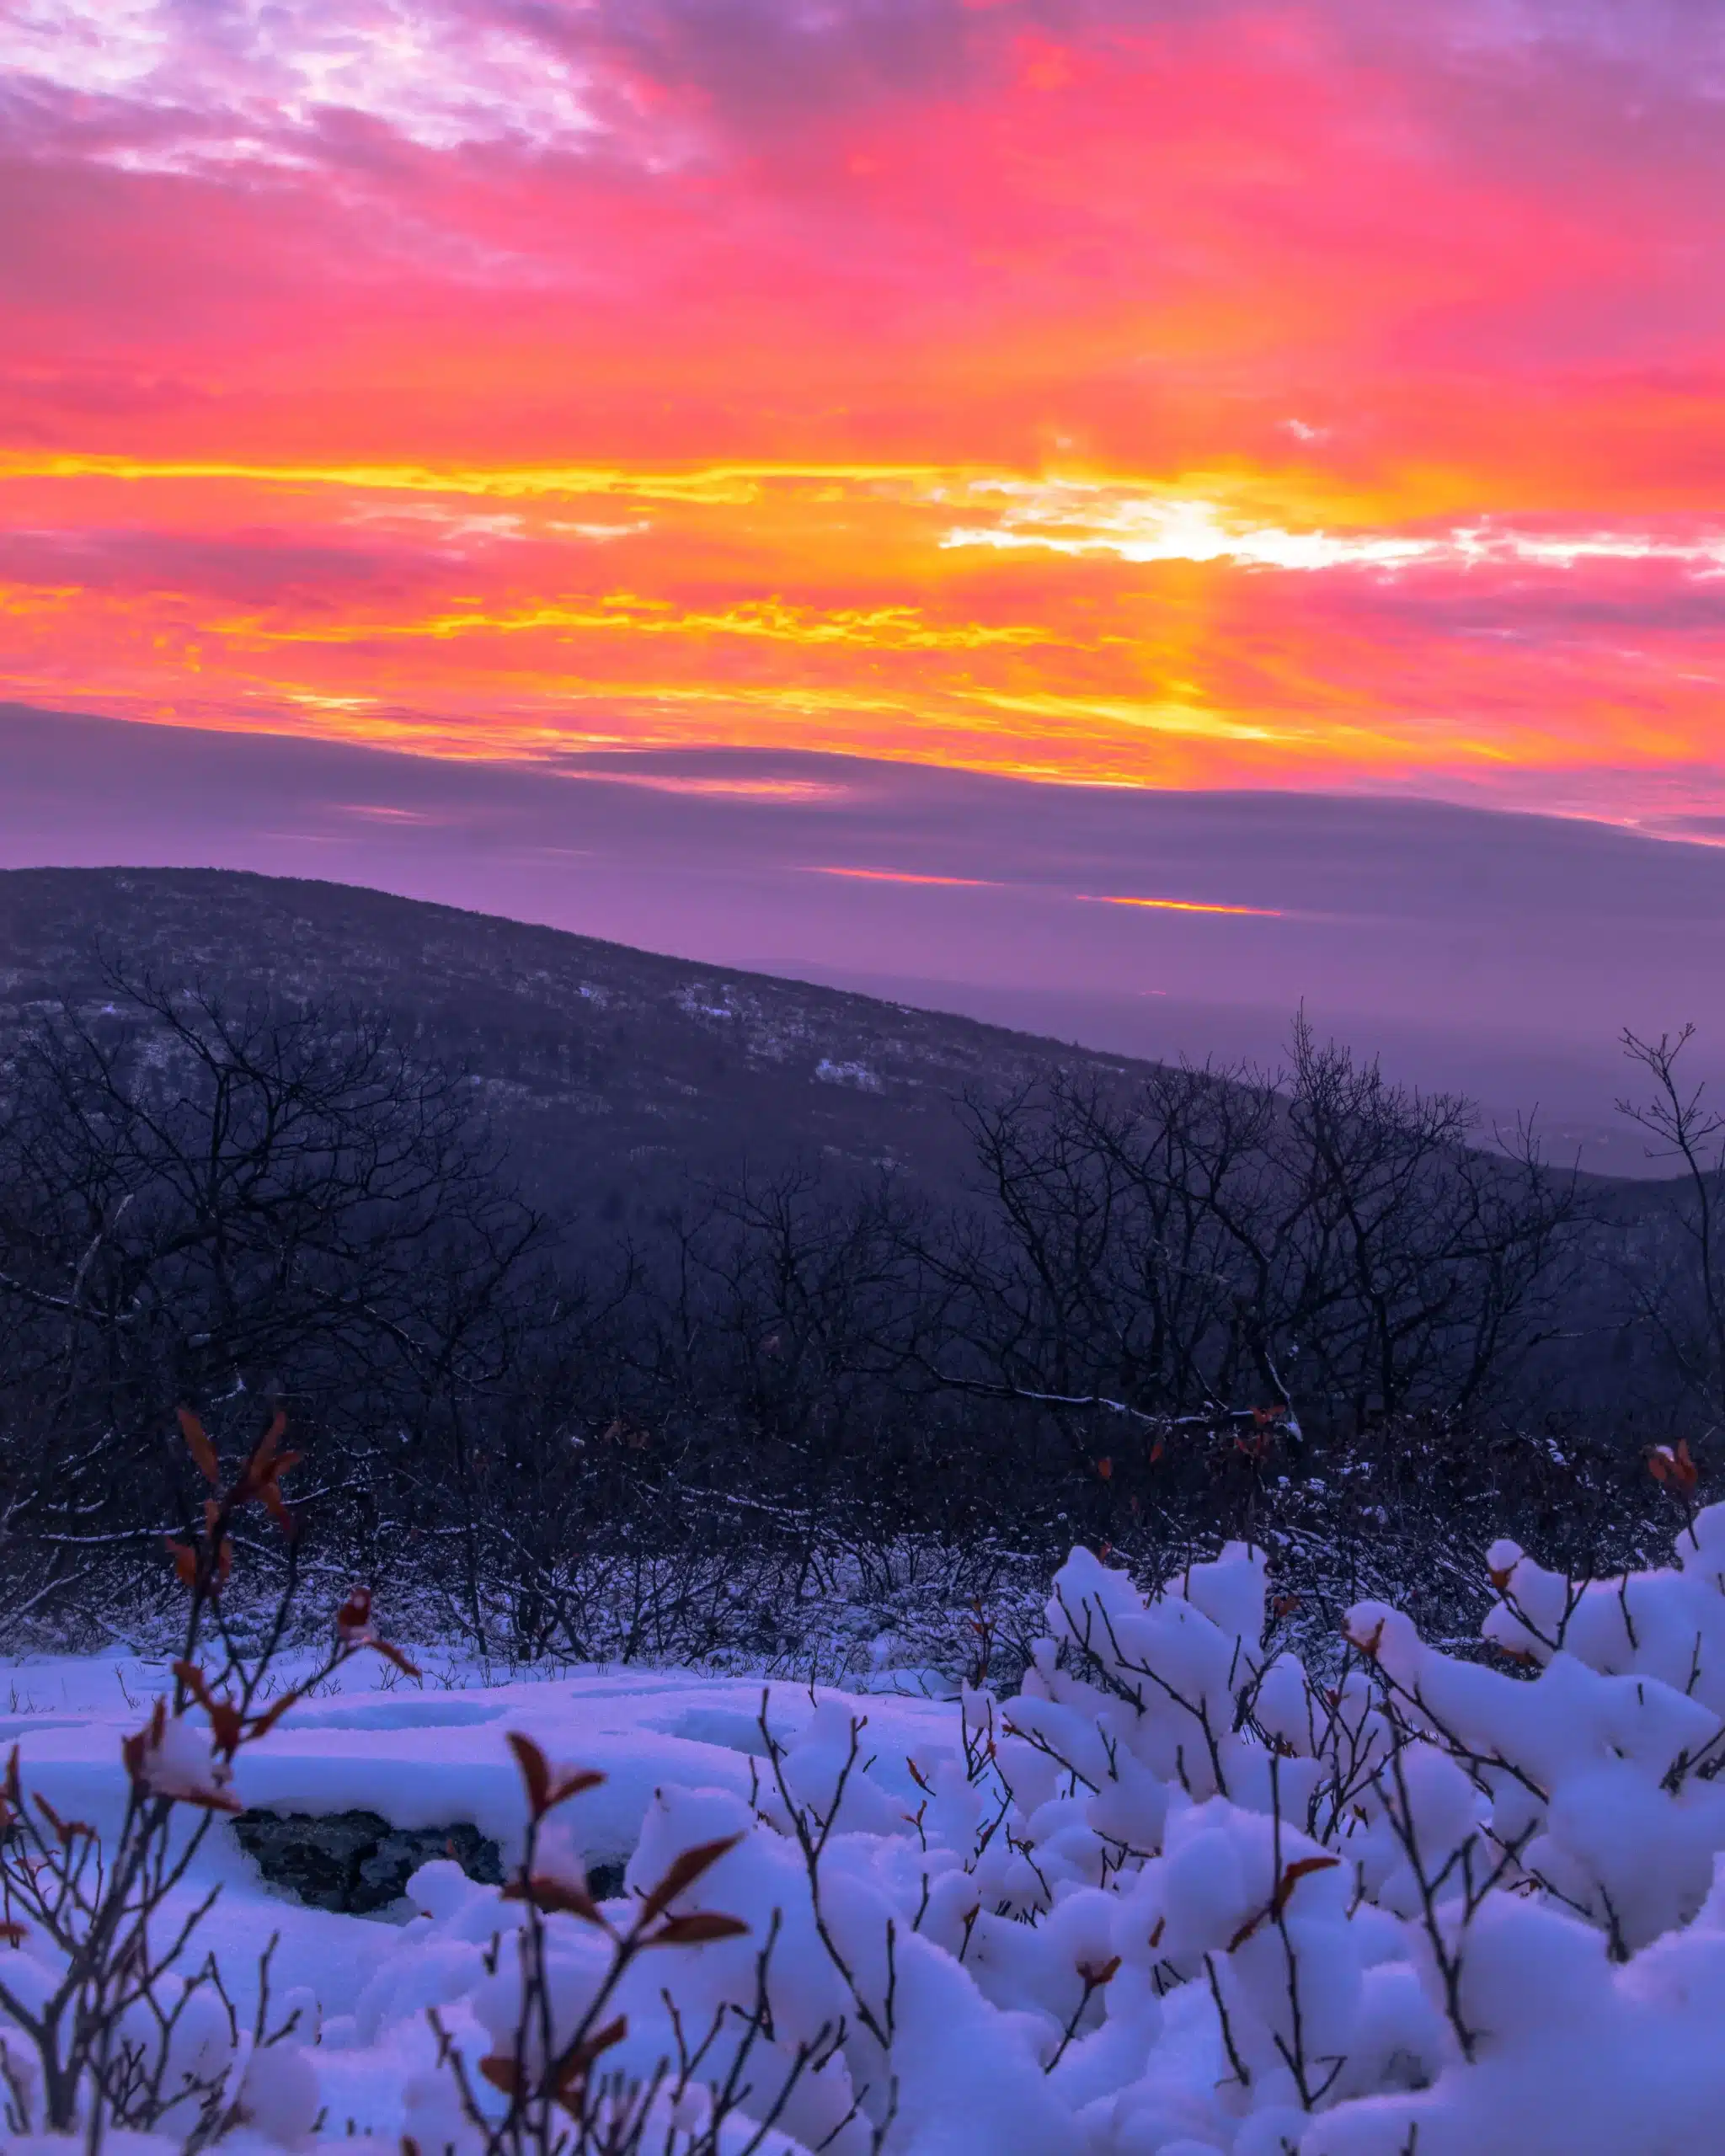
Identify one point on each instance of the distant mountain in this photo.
(616, 1073)
(618, 1076)
(1477, 951)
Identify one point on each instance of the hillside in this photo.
(614, 1072)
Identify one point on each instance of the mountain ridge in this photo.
(653, 1059)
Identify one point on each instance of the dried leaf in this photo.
(263, 1470)
(199, 1446)
(136, 1745)
(1674, 1468)
(1373, 1641)
(1285, 1884)
(535, 1772)
(13, 1933)
(583, 1778)
(186, 1560)
(1294, 1874)
(554, 1898)
(392, 1653)
(1095, 1977)
(501, 2072)
(577, 2061)
(192, 1678)
(227, 1727)
(209, 1799)
(274, 1502)
(699, 1929)
(264, 1722)
(684, 1870)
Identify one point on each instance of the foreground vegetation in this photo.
(1173, 1893)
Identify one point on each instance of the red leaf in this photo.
(699, 1929)
(554, 1898)
(684, 1871)
(501, 2072)
(192, 1678)
(1372, 1643)
(535, 1773)
(576, 2063)
(1294, 1874)
(227, 1727)
(209, 1799)
(267, 1720)
(199, 1446)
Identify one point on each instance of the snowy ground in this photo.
(427, 1754)
(1169, 1899)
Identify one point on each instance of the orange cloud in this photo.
(1319, 395)
(1180, 905)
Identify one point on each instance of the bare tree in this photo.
(1680, 1293)
(217, 1206)
(1317, 1240)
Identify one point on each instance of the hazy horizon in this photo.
(1493, 953)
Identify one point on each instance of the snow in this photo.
(1169, 1899)
(862, 1076)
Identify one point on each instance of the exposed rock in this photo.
(356, 1862)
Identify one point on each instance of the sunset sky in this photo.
(1171, 392)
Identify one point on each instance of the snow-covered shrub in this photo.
(1171, 1898)
(112, 2015)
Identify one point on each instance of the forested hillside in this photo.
(566, 1262)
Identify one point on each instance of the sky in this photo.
(1171, 394)
(1492, 953)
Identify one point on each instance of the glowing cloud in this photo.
(904, 876)
(1180, 905)
(1304, 393)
